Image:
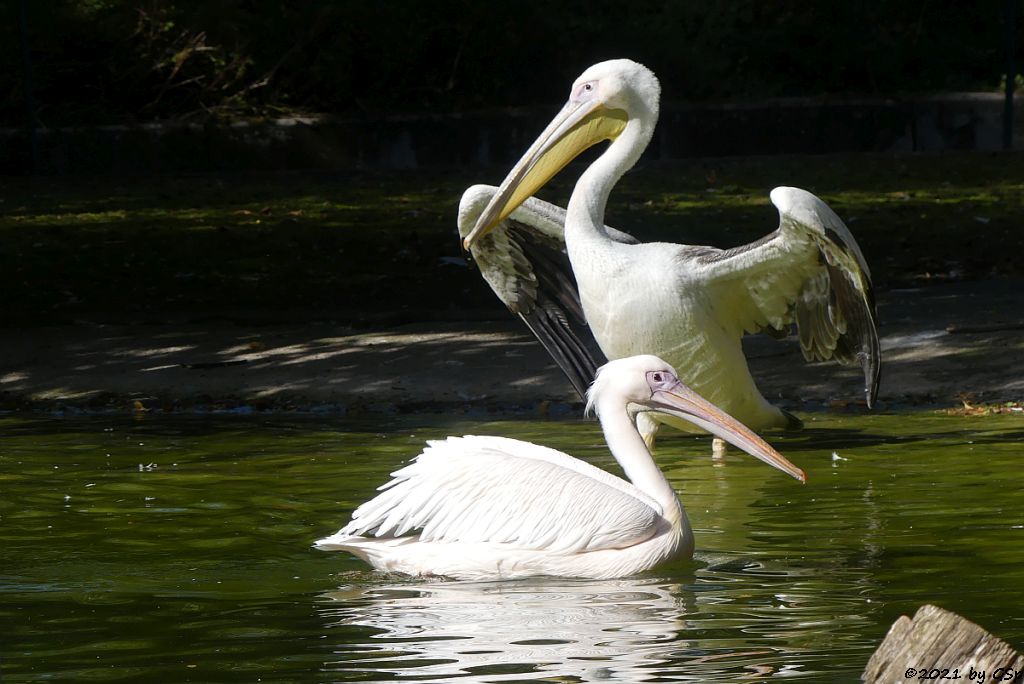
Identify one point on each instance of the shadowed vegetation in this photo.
(123, 61)
(354, 246)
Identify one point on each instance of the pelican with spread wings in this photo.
(568, 276)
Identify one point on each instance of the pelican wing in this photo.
(810, 272)
(504, 491)
(524, 261)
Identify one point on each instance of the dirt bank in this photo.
(940, 343)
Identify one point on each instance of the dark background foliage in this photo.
(115, 61)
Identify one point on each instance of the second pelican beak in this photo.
(577, 127)
(683, 402)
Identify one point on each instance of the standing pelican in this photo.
(688, 304)
(497, 508)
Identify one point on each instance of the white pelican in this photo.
(497, 508)
(688, 304)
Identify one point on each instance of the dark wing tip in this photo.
(556, 336)
(860, 341)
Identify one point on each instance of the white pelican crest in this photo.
(498, 508)
(561, 271)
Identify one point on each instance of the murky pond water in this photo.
(178, 549)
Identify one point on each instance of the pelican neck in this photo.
(585, 213)
(628, 448)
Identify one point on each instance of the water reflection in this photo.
(132, 577)
(612, 629)
(737, 617)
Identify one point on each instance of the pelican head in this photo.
(646, 383)
(605, 101)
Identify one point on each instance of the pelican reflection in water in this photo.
(590, 630)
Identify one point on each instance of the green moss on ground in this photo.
(355, 244)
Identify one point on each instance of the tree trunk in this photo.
(939, 646)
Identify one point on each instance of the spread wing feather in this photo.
(497, 490)
(811, 272)
(524, 261)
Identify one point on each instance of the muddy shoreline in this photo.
(941, 344)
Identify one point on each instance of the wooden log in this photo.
(941, 646)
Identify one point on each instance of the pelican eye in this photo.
(661, 380)
(585, 89)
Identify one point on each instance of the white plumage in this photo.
(440, 494)
(568, 276)
(491, 507)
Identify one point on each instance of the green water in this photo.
(178, 549)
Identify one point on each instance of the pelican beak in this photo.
(580, 124)
(683, 402)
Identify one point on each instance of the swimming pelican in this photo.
(498, 508)
(688, 304)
